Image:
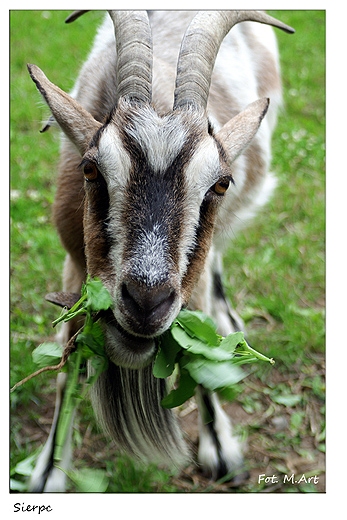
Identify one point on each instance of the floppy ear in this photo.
(237, 133)
(78, 124)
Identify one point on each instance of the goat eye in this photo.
(221, 186)
(90, 171)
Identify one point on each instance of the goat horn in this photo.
(134, 54)
(199, 50)
(76, 14)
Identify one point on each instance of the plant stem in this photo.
(75, 310)
(68, 407)
(258, 355)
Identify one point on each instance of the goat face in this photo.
(153, 185)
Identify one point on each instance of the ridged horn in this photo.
(134, 54)
(199, 50)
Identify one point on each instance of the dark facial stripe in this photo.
(155, 199)
(202, 243)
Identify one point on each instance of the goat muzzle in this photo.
(146, 307)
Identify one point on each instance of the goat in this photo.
(165, 154)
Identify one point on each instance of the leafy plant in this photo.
(203, 357)
(192, 344)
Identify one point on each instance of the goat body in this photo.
(165, 158)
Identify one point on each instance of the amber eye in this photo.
(90, 171)
(221, 186)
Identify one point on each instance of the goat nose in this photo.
(147, 305)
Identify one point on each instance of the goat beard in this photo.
(127, 405)
(127, 401)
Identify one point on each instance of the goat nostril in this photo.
(147, 302)
(130, 295)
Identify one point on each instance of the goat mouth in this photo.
(125, 349)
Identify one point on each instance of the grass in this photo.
(274, 270)
(280, 261)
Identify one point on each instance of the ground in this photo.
(283, 441)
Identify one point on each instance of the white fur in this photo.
(230, 445)
(113, 160)
(161, 138)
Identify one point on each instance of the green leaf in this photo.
(92, 336)
(229, 393)
(94, 297)
(183, 392)
(287, 399)
(197, 324)
(88, 480)
(47, 354)
(230, 342)
(99, 298)
(165, 360)
(16, 485)
(196, 346)
(25, 466)
(210, 360)
(180, 335)
(98, 365)
(207, 351)
(213, 375)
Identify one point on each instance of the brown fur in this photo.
(268, 76)
(68, 206)
(203, 239)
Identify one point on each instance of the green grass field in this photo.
(274, 270)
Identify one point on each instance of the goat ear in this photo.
(78, 124)
(237, 133)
